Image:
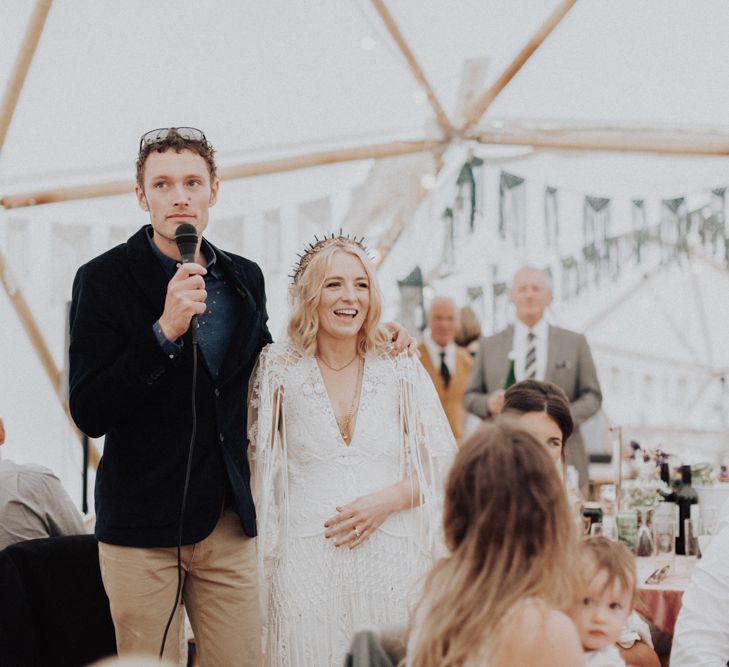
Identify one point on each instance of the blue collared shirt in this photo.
(215, 325)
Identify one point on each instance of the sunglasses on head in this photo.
(161, 133)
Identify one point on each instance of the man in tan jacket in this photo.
(447, 364)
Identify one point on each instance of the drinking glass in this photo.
(596, 529)
(644, 545)
(708, 519)
(627, 522)
(664, 541)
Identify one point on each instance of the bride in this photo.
(351, 448)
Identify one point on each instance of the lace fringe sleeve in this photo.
(428, 444)
(268, 458)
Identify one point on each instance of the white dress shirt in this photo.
(434, 351)
(519, 347)
(702, 629)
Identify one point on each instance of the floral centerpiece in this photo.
(646, 488)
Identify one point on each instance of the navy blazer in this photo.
(124, 386)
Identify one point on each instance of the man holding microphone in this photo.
(132, 368)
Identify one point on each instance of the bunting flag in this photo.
(474, 294)
(71, 248)
(499, 305)
(472, 314)
(570, 278)
(272, 240)
(412, 313)
(551, 216)
(640, 227)
(467, 180)
(512, 208)
(713, 231)
(595, 231)
(448, 256)
(673, 228)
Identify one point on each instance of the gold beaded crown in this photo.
(320, 244)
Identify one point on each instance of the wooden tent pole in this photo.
(22, 65)
(479, 107)
(371, 152)
(279, 165)
(41, 349)
(675, 141)
(392, 28)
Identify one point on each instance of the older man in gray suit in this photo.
(542, 352)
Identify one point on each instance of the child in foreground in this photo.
(608, 596)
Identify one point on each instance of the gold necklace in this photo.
(341, 368)
(345, 423)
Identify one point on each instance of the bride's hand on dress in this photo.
(355, 522)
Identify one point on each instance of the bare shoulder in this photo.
(541, 636)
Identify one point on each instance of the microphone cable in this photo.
(193, 336)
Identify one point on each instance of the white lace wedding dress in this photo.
(315, 596)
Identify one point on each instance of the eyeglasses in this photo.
(160, 134)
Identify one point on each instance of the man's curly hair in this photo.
(178, 144)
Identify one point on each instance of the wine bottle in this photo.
(685, 497)
(670, 495)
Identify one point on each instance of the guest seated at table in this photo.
(702, 628)
(33, 503)
(607, 597)
(500, 595)
(543, 408)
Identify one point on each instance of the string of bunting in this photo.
(603, 253)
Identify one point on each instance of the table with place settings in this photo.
(661, 602)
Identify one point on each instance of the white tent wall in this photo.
(276, 79)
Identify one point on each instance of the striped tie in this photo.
(530, 361)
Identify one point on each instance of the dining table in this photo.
(660, 602)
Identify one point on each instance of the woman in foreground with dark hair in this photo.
(498, 598)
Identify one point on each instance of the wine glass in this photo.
(644, 543)
(664, 539)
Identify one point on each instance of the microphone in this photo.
(186, 240)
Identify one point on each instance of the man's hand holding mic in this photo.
(186, 293)
(185, 298)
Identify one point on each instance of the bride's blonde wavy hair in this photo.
(511, 539)
(305, 294)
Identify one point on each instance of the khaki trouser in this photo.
(220, 594)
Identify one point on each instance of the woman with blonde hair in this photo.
(500, 595)
(351, 451)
